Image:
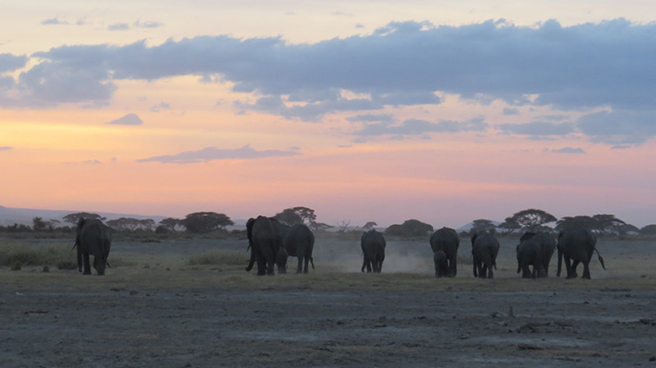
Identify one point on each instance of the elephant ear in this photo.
(249, 228)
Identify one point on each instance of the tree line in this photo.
(208, 222)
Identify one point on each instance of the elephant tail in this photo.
(601, 260)
(312, 262)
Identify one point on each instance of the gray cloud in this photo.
(161, 107)
(139, 24)
(421, 127)
(620, 128)
(118, 27)
(5, 148)
(371, 117)
(510, 111)
(570, 68)
(54, 21)
(213, 153)
(129, 119)
(9, 62)
(569, 150)
(538, 128)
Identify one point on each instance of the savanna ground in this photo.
(189, 303)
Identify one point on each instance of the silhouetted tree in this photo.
(410, 228)
(606, 224)
(289, 217)
(509, 225)
(169, 223)
(483, 225)
(648, 230)
(369, 225)
(131, 224)
(204, 222)
(568, 222)
(73, 218)
(533, 219)
(38, 224)
(297, 215)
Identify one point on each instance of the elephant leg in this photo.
(568, 266)
(87, 266)
(490, 274)
(307, 264)
(586, 270)
(453, 266)
(261, 264)
(299, 268)
(79, 259)
(575, 265)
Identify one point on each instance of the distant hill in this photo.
(24, 216)
(469, 226)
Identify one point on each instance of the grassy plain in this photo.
(189, 302)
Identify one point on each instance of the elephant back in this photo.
(445, 239)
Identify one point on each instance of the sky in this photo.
(383, 111)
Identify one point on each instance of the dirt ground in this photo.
(157, 311)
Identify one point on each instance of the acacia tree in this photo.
(297, 215)
(532, 219)
(73, 218)
(410, 228)
(205, 222)
(38, 224)
(169, 223)
(483, 225)
(369, 226)
(605, 224)
(131, 224)
(509, 225)
(289, 217)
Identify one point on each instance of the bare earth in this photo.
(157, 311)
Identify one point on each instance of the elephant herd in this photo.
(271, 243)
(535, 249)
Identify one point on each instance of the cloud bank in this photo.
(604, 65)
(129, 119)
(213, 153)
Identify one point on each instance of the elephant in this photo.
(485, 248)
(264, 241)
(529, 252)
(93, 238)
(441, 263)
(373, 247)
(447, 241)
(576, 245)
(298, 241)
(547, 247)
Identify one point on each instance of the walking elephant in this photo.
(93, 238)
(447, 241)
(373, 249)
(264, 240)
(576, 246)
(547, 246)
(529, 253)
(298, 241)
(485, 248)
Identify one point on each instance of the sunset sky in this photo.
(441, 111)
